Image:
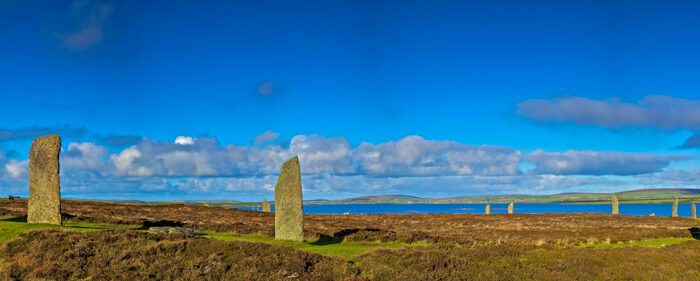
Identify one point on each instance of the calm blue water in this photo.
(662, 209)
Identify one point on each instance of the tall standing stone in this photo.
(510, 208)
(692, 211)
(289, 215)
(615, 205)
(266, 206)
(674, 213)
(44, 181)
(488, 209)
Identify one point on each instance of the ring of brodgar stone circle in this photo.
(289, 214)
(44, 181)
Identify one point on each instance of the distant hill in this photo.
(381, 199)
(632, 195)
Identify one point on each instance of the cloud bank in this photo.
(653, 111)
(589, 162)
(331, 165)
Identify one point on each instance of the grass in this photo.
(327, 247)
(10, 228)
(653, 243)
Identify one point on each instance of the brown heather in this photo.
(133, 255)
(460, 247)
(553, 229)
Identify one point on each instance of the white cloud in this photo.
(85, 156)
(415, 156)
(17, 169)
(123, 161)
(319, 154)
(183, 140)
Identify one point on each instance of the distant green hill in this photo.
(658, 195)
(641, 196)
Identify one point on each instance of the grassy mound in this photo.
(133, 255)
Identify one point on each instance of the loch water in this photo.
(659, 209)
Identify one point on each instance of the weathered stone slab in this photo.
(44, 181)
(692, 211)
(488, 209)
(511, 208)
(615, 205)
(266, 206)
(289, 215)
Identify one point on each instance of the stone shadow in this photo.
(695, 232)
(16, 219)
(339, 236)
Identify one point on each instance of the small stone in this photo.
(181, 230)
(159, 229)
(289, 213)
(44, 181)
(171, 230)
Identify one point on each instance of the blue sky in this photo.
(426, 98)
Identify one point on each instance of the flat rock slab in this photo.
(44, 181)
(289, 215)
(171, 230)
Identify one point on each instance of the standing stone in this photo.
(266, 206)
(510, 208)
(692, 211)
(488, 209)
(206, 204)
(44, 181)
(289, 215)
(615, 205)
(674, 213)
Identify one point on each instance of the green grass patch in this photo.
(10, 228)
(654, 243)
(327, 247)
